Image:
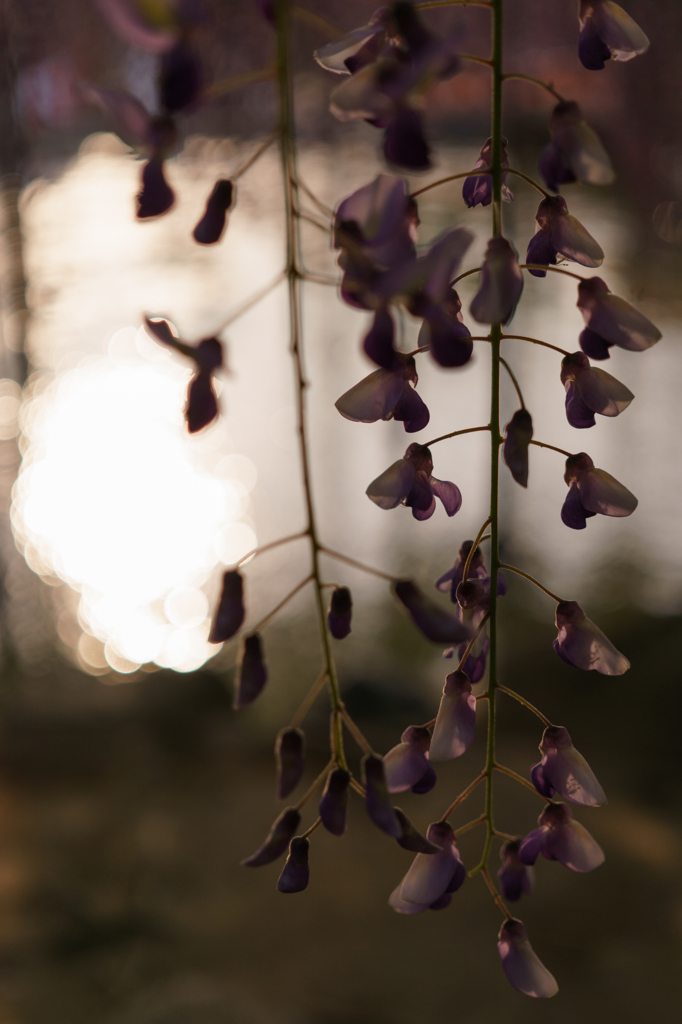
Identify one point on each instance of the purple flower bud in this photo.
(564, 771)
(518, 435)
(212, 224)
(377, 800)
(479, 188)
(561, 236)
(583, 644)
(405, 144)
(607, 31)
(295, 873)
(334, 802)
(453, 732)
(590, 390)
(593, 491)
(514, 876)
(180, 79)
(430, 876)
(500, 286)
(252, 674)
(340, 612)
(411, 839)
(156, 195)
(378, 342)
(575, 152)
(524, 970)
(453, 577)
(406, 764)
(202, 404)
(277, 841)
(387, 394)
(290, 758)
(430, 619)
(229, 614)
(561, 838)
(409, 482)
(611, 320)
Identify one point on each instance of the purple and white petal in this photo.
(567, 771)
(573, 846)
(393, 486)
(583, 644)
(373, 398)
(600, 492)
(455, 725)
(524, 970)
(574, 242)
(602, 392)
(618, 30)
(334, 56)
(406, 763)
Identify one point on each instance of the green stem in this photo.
(536, 81)
(455, 433)
(533, 341)
(531, 181)
(552, 447)
(290, 177)
(514, 381)
(531, 579)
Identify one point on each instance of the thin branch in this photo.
(264, 621)
(477, 60)
(317, 21)
(531, 579)
(554, 270)
(526, 703)
(455, 433)
(318, 278)
(252, 301)
(361, 741)
(450, 177)
(467, 649)
(472, 549)
(309, 699)
(552, 447)
(360, 790)
(534, 341)
(254, 157)
(311, 195)
(468, 273)
(495, 894)
(513, 380)
(315, 824)
(469, 825)
(536, 81)
(358, 565)
(463, 795)
(314, 785)
(519, 778)
(268, 547)
(531, 181)
(225, 85)
(311, 220)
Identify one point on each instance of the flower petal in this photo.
(518, 435)
(411, 410)
(578, 414)
(600, 492)
(524, 970)
(393, 486)
(572, 845)
(619, 31)
(377, 800)
(295, 873)
(405, 144)
(501, 284)
(430, 874)
(434, 622)
(583, 644)
(572, 241)
(449, 494)
(278, 839)
(455, 725)
(373, 398)
(602, 392)
(229, 614)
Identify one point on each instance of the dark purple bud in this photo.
(277, 841)
(202, 404)
(290, 758)
(208, 354)
(404, 142)
(514, 876)
(518, 435)
(229, 614)
(411, 839)
(524, 970)
(252, 674)
(378, 343)
(156, 195)
(181, 80)
(334, 802)
(340, 613)
(593, 345)
(582, 644)
(212, 224)
(437, 624)
(377, 800)
(295, 873)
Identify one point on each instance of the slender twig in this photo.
(495, 894)
(519, 778)
(252, 301)
(315, 824)
(506, 836)
(469, 825)
(313, 198)
(309, 699)
(536, 81)
(463, 795)
(534, 341)
(531, 579)
(469, 646)
(513, 380)
(455, 433)
(312, 220)
(526, 703)
(360, 790)
(554, 270)
(450, 177)
(552, 447)
(318, 278)
(254, 157)
(278, 607)
(477, 60)
(268, 547)
(229, 84)
(531, 181)
(317, 21)
(460, 277)
(357, 565)
(361, 741)
(314, 785)
(472, 549)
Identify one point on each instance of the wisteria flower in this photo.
(295, 873)
(377, 799)
(359, 47)
(211, 226)
(561, 236)
(565, 771)
(431, 876)
(252, 673)
(593, 491)
(478, 188)
(334, 803)
(411, 839)
(561, 838)
(437, 624)
(514, 876)
(279, 837)
(575, 152)
(500, 286)
(385, 395)
(477, 601)
(229, 615)
(607, 31)
(524, 970)
(202, 403)
(518, 434)
(455, 725)
(610, 320)
(450, 580)
(590, 390)
(582, 644)
(409, 482)
(406, 764)
(340, 613)
(290, 758)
